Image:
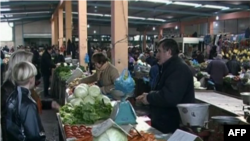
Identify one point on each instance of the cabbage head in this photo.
(76, 101)
(89, 99)
(81, 92)
(94, 91)
(112, 134)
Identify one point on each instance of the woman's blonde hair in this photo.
(22, 72)
(15, 58)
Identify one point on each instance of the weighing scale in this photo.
(123, 112)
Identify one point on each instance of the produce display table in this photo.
(141, 126)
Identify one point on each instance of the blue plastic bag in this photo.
(126, 86)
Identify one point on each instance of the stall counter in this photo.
(229, 104)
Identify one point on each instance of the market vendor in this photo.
(105, 75)
(174, 86)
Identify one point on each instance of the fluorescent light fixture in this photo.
(138, 18)
(158, 1)
(94, 32)
(187, 4)
(217, 18)
(153, 19)
(88, 26)
(176, 27)
(95, 6)
(216, 7)
(5, 9)
(153, 28)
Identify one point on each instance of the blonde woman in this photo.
(23, 122)
(9, 86)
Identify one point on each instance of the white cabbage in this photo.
(76, 102)
(197, 84)
(71, 97)
(89, 99)
(81, 92)
(94, 91)
(112, 134)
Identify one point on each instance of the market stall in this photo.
(86, 108)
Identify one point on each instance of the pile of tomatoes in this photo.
(79, 132)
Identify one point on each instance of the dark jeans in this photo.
(46, 85)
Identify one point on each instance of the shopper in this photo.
(46, 69)
(217, 70)
(23, 122)
(234, 66)
(174, 86)
(105, 75)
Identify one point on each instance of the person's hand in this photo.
(55, 105)
(143, 98)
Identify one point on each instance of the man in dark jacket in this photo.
(233, 66)
(46, 69)
(174, 86)
(217, 70)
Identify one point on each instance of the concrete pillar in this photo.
(56, 31)
(160, 34)
(182, 29)
(144, 40)
(211, 27)
(82, 22)
(52, 32)
(119, 34)
(68, 20)
(60, 26)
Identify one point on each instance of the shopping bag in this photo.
(125, 83)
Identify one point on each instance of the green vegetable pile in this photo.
(85, 113)
(64, 72)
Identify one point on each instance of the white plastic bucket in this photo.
(193, 114)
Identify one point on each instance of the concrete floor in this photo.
(48, 118)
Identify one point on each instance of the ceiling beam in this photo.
(25, 18)
(13, 12)
(130, 21)
(60, 5)
(142, 11)
(26, 3)
(156, 10)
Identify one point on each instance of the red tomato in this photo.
(82, 130)
(82, 126)
(77, 134)
(70, 133)
(66, 126)
(74, 128)
(88, 128)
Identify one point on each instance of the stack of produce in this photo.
(197, 84)
(81, 133)
(64, 70)
(86, 106)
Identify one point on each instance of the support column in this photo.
(82, 22)
(160, 34)
(182, 29)
(211, 27)
(68, 20)
(52, 32)
(56, 34)
(60, 26)
(144, 40)
(119, 34)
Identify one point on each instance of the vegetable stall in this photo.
(86, 116)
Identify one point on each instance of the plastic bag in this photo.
(126, 85)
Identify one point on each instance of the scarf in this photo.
(99, 71)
